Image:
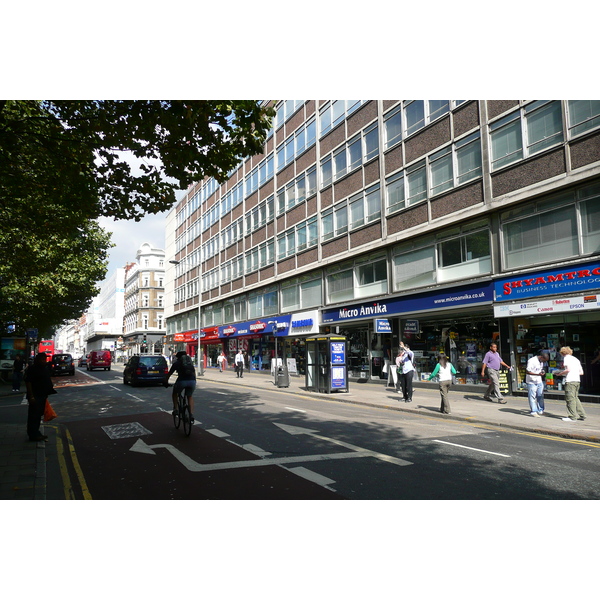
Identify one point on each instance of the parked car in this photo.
(99, 359)
(62, 364)
(83, 360)
(145, 368)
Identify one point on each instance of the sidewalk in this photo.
(466, 406)
(23, 463)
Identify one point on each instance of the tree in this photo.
(61, 167)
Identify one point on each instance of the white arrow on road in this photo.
(293, 430)
(196, 467)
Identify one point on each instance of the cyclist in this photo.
(186, 379)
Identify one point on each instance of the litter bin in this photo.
(283, 377)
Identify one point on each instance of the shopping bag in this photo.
(49, 413)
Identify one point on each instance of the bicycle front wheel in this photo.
(187, 419)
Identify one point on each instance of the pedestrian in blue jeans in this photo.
(536, 369)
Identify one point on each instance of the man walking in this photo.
(573, 371)
(492, 362)
(536, 369)
(239, 363)
(39, 386)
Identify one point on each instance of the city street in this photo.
(259, 442)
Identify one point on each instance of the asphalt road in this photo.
(117, 442)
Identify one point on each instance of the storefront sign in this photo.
(574, 303)
(305, 323)
(278, 326)
(411, 326)
(382, 326)
(453, 298)
(544, 283)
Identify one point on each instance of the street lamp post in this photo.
(274, 324)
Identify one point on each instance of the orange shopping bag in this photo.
(49, 413)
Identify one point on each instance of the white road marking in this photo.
(475, 449)
(218, 433)
(296, 409)
(311, 476)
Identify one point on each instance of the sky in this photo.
(128, 236)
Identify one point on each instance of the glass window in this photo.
(341, 220)
(290, 298)
(270, 306)
(416, 180)
(437, 108)
(340, 286)
(357, 212)
(373, 203)
(300, 189)
(311, 181)
(507, 141)
(325, 119)
(544, 126)
(338, 108)
(468, 159)
(590, 220)
(415, 269)
(371, 142)
(537, 238)
(415, 116)
(327, 225)
(441, 171)
(326, 171)
(450, 252)
(311, 293)
(339, 162)
(393, 128)
(354, 153)
(395, 192)
(583, 115)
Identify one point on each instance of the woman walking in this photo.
(444, 370)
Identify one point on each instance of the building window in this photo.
(301, 294)
(294, 145)
(534, 239)
(298, 238)
(457, 253)
(364, 278)
(392, 127)
(583, 116)
(529, 130)
(334, 112)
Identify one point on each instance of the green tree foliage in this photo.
(62, 167)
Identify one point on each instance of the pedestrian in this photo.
(39, 387)
(445, 371)
(573, 372)
(221, 361)
(17, 375)
(406, 371)
(492, 363)
(536, 369)
(239, 363)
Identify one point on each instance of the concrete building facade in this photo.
(444, 224)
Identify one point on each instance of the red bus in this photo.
(47, 346)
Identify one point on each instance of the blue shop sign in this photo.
(440, 299)
(567, 280)
(278, 326)
(383, 326)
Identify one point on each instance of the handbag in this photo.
(49, 413)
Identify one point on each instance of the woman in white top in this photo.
(573, 371)
(445, 371)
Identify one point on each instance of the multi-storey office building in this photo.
(144, 320)
(445, 224)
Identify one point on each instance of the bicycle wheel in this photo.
(187, 419)
(177, 418)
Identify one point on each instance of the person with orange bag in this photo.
(39, 386)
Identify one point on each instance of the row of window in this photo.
(565, 226)
(530, 129)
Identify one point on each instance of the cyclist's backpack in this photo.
(187, 367)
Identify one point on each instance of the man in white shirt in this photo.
(239, 363)
(536, 369)
(573, 371)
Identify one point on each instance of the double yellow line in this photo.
(64, 471)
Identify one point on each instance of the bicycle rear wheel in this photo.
(187, 419)
(177, 418)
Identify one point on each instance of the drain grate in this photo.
(125, 430)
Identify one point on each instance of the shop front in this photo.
(551, 309)
(457, 321)
(253, 338)
(186, 341)
(294, 329)
(211, 346)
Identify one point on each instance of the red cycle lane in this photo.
(143, 457)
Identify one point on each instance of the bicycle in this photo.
(183, 413)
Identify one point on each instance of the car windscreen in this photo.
(153, 362)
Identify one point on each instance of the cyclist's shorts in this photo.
(188, 384)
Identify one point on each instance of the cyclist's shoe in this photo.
(191, 418)
(175, 412)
